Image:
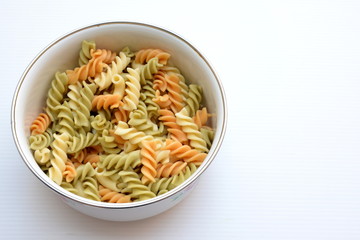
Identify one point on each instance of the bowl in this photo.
(30, 94)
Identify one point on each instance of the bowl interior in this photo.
(29, 99)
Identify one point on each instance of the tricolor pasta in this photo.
(121, 126)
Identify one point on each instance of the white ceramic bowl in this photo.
(31, 92)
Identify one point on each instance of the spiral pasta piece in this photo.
(84, 55)
(117, 66)
(169, 120)
(79, 156)
(59, 157)
(139, 120)
(163, 185)
(69, 187)
(120, 114)
(148, 160)
(40, 124)
(145, 55)
(110, 196)
(41, 141)
(42, 156)
(147, 70)
(208, 135)
(117, 139)
(184, 152)
(138, 191)
(191, 130)
(131, 134)
(160, 82)
(56, 94)
(106, 102)
(182, 83)
(65, 119)
(182, 176)
(147, 95)
(108, 143)
(99, 123)
(81, 102)
(121, 161)
(163, 156)
(201, 117)
(119, 85)
(128, 52)
(174, 90)
(163, 101)
(109, 179)
(69, 172)
(76, 143)
(85, 182)
(194, 99)
(132, 91)
(94, 66)
(170, 169)
(92, 158)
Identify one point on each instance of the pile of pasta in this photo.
(121, 127)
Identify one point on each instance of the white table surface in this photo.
(289, 167)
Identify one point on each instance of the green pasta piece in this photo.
(108, 143)
(139, 191)
(194, 100)
(41, 141)
(85, 52)
(139, 120)
(82, 141)
(147, 70)
(120, 161)
(208, 135)
(85, 182)
(147, 95)
(56, 94)
(69, 187)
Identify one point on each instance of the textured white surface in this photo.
(289, 167)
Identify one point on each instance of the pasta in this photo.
(40, 124)
(84, 55)
(94, 66)
(146, 55)
(190, 128)
(132, 91)
(121, 126)
(112, 196)
(148, 160)
(56, 94)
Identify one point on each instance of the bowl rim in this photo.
(70, 196)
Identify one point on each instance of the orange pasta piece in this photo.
(201, 117)
(162, 100)
(184, 152)
(174, 90)
(93, 159)
(170, 169)
(93, 67)
(120, 114)
(159, 82)
(148, 159)
(169, 120)
(40, 124)
(106, 102)
(110, 196)
(144, 55)
(69, 172)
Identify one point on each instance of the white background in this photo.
(289, 167)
